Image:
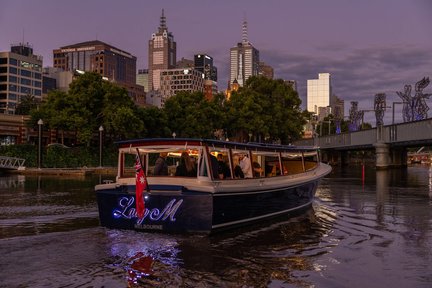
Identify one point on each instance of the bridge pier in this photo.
(399, 157)
(382, 155)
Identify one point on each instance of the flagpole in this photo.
(142, 167)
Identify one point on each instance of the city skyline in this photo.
(368, 47)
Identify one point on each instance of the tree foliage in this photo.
(261, 110)
(267, 110)
(191, 115)
(90, 103)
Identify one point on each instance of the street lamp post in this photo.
(101, 129)
(40, 123)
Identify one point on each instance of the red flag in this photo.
(140, 185)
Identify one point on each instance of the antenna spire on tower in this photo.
(244, 31)
(163, 20)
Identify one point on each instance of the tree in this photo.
(26, 104)
(191, 115)
(90, 103)
(155, 122)
(268, 109)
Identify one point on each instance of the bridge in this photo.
(11, 163)
(390, 143)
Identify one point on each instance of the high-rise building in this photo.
(337, 107)
(266, 70)
(185, 63)
(20, 75)
(318, 93)
(112, 63)
(204, 64)
(162, 53)
(176, 80)
(96, 56)
(142, 79)
(244, 59)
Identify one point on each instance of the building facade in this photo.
(319, 92)
(96, 56)
(244, 60)
(266, 70)
(20, 75)
(173, 81)
(204, 64)
(162, 53)
(113, 64)
(142, 79)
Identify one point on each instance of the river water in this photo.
(371, 231)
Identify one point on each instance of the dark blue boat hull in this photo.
(175, 209)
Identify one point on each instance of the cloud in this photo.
(357, 74)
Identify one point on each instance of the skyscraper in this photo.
(20, 75)
(244, 59)
(96, 56)
(318, 93)
(204, 64)
(162, 53)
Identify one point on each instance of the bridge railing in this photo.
(11, 162)
(401, 132)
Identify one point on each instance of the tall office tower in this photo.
(337, 106)
(318, 94)
(181, 79)
(266, 70)
(96, 56)
(142, 79)
(244, 59)
(204, 64)
(162, 53)
(20, 75)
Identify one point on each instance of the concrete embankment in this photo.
(84, 171)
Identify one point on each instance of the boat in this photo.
(283, 182)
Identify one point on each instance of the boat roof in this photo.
(211, 142)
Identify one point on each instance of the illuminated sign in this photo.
(127, 210)
(89, 48)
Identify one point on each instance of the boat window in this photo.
(265, 164)
(128, 168)
(310, 159)
(258, 162)
(237, 172)
(292, 163)
(169, 162)
(221, 163)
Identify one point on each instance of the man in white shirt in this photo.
(245, 165)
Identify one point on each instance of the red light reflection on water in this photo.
(139, 266)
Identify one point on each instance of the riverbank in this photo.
(83, 171)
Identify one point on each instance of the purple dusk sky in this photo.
(368, 46)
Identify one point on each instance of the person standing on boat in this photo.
(246, 166)
(161, 167)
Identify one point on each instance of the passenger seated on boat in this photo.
(223, 170)
(238, 173)
(186, 167)
(257, 169)
(161, 167)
